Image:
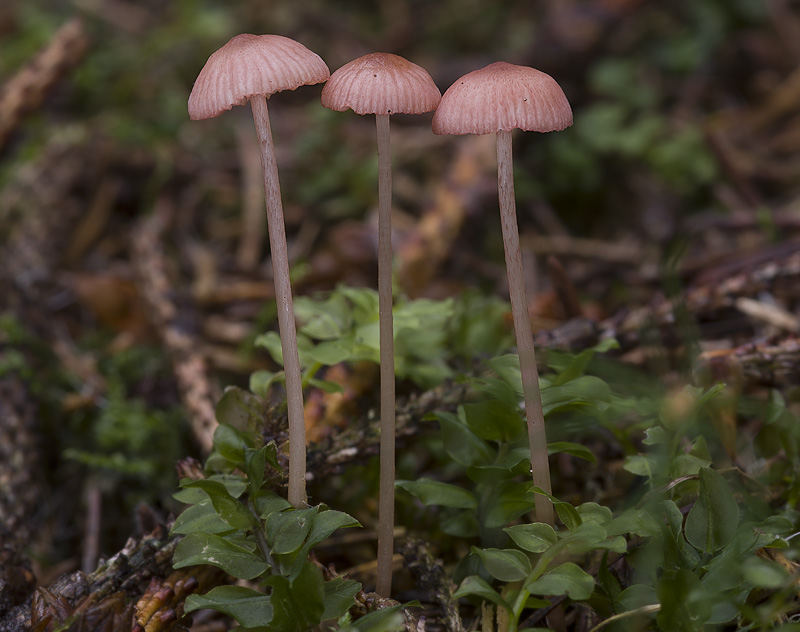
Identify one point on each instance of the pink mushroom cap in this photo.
(381, 83)
(250, 65)
(502, 97)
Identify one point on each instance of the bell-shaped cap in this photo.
(502, 96)
(381, 83)
(249, 65)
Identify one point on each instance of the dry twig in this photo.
(198, 393)
(27, 90)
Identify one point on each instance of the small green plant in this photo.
(234, 522)
(431, 337)
(695, 545)
(679, 539)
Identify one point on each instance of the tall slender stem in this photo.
(522, 327)
(386, 501)
(283, 297)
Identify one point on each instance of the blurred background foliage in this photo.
(641, 77)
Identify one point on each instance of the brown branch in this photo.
(136, 589)
(199, 395)
(27, 90)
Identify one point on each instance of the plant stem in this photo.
(386, 500)
(258, 530)
(283, 297)
(522, 327)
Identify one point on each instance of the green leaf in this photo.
(685, 604)
(590, 536)
(297, 604)
(474, 586)
(206, 548)
(461, 443)
(578, 392)
(332, 352)
(267, 502)
(228, 508)
(271, 341)
(656, 435)
(477, 326)
(384, 620)
(498, 389)
(364, 302)
(249, 607)
(567, 579)
(712, 521)
(239, 410)
(514, 461)
(324, 320)
(326, 522)
(339, 597)
(635, 522)
(255, 466)
(326, 386)
(573, 449)
(262, 380)
(432, 492)
(286, 531)
(200, 518)
(640, 465)
(637, 596)
(229, 442)
(507, 369)
(608, 582)
(763, 573)
(507, 565)
(536, 537)
(461, 524)
(593, 512)
(691, 463)
(570, 367)
(509, 501)
(494, 420)
(566, 512)
(678, 553)
(235, 484)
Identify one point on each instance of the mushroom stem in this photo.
(522, 327)
(386, 501)
(283, 297)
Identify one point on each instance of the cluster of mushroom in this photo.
(494, 99)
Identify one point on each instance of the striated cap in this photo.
(381, 83)
(252, 64)
(502, 96)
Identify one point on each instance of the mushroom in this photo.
(383, 84)
(498, 99)
(251, 68)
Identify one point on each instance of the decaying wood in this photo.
(19, 455)
(135, 590)
(20, 491)
(431, 576)
(27, 90)
(191, 372)
(38, 208)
